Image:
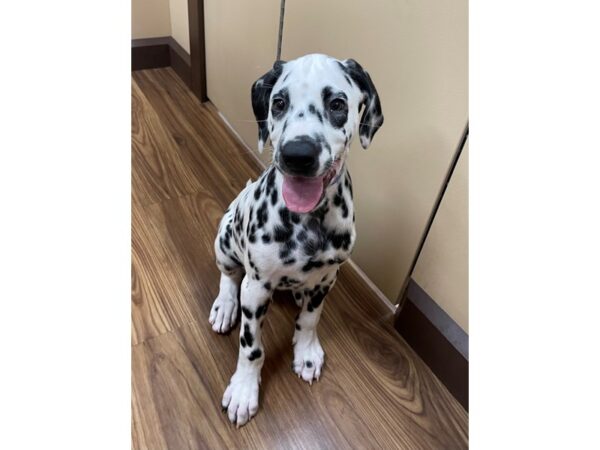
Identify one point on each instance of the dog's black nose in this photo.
(301, 157)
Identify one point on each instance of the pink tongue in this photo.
(302, 194)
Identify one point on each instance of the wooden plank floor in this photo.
(374, 392)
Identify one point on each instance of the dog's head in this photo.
(310, 109)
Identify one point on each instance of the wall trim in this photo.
(158, 52)
(180, 62)
(197, 49)
(437, 339)
(150, 53)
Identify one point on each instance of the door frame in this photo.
(197, 49)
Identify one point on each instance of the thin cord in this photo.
(280, 35)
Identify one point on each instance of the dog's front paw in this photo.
(308, 359)
(223, 314)
(241, 398)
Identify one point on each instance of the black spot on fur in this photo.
(247, 312)
(270, 180)
(289, 261)
(308, 364)
(298, 327)
(262, 214)
(349, 178)
(310, 248)
(255, 354)
(301, 236)
(267, 286)
(262, 309)
(282, 234)
(284, 215)
(243, 341)
(317, 299)
(248, 335)
(339, 240)
(266, 238)
(274, 197)
(288, 282)
(312, 265)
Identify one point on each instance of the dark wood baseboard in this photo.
(161, 52)
(150, 53)
(437, 339)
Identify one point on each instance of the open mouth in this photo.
(303, 194)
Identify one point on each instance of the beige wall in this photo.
(443, 266)
(180, 27)
(158, 18)
(150, 18)
(416, 53)
(241, 39)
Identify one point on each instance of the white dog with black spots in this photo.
(293, 227)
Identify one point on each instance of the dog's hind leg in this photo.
(224, 311)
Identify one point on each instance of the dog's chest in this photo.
(300, 248)
(292, 249)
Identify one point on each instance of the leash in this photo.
(280, 35)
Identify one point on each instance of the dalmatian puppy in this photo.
(293, 227)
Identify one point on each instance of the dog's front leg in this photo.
(241, 396)
(308, 353)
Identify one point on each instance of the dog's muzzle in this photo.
(302, 194)
(300, 157)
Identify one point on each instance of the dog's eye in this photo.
(337, 105)
(278, 104)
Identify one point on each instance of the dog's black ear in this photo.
(372, 116)
(261, 93)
